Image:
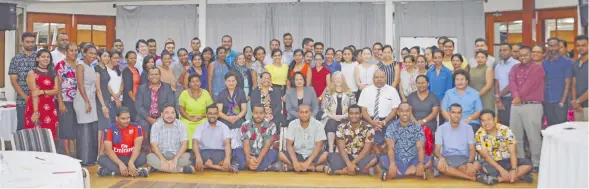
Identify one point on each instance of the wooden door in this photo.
(46, 27)
(503, 27)
(559, 22)
(99, 30)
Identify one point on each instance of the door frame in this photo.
(491, 19)
(554, 13)
(108, 21)
(49, 18)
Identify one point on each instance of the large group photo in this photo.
(186, 104)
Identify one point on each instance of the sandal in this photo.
(278, 167)
(384, 175)
(327, 170)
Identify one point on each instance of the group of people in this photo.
(350, 111)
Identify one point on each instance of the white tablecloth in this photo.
(564, 156)
(8, 120)
(26, 171)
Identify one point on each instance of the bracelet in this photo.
(35, 113)
(424, 121)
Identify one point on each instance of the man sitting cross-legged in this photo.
(304, 143)
(455, 151)
(354, 142)
(405, 153)
(211, 144)
(169, 141)
(122, 147)
(258, 135)
(496, 145)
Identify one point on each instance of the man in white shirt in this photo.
(379, 104)
(274, 44)
(59, 53)
(481, 44)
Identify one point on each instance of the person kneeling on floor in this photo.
(258, 135)
(496, 145)
(122, 146)
(455, 150)
(405, 153)
(168, 144)
(211, 144)
(304, 143)
(354, 139)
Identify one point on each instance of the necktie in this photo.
(376, 104)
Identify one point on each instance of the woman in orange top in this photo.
(131, 80)
(297, 65)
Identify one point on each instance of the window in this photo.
(506, 32)
(92, 33)
(563, 28)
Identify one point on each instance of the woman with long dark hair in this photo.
(217, 71)
(330, 63)
(41, 111)
(199, 68)
(407, 78)
(349, 68)
(131, 80)
(278, 70)
(457, 62)
(85, 107)
(207, 57)
(391, 68)
(321, 75)
(148, 63)
(258, 65)
(300, 94)
(193, 103)
(300, 64)
(339, 54)
(102, 94)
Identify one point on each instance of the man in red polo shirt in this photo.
(122, 146)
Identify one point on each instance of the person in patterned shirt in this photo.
(405, 153)
(496, 145)
(258, 135)
(354, 142)
(20, 65)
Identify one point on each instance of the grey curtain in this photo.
(335, 24)
(179, 22)
(464, 20)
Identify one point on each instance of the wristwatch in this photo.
(424, 121)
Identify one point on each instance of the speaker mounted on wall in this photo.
(8, 15)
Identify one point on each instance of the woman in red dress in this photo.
(41, 111)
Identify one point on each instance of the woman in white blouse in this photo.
(348, 68)
(365, 71)
(408, 76)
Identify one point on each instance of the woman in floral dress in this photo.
(41, 111)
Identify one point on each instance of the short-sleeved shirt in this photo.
(20, 65)
(388, 99)
(279, 73)
(212, 138)
(123, 139)
(305, 138)
(580, 73)
(69, 84)
(422, 108)
(258, 136)
(169, 139)
(334, 67)
(355, 138)
(496, 145)
(448, 64)
(57, 56)
(556, 72)
(439, 83)
(455, 141)
(470, 101)
(502, 72)
(231, 105)
(405, 139)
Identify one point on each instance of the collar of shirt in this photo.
(156, 89)
(161, 122)
(23, 54)
(251, 123)
(468, 90)
(498, 126)
(398, 123)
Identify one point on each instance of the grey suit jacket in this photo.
(143, 99)
(292, 103)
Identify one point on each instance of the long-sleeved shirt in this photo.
(526, 81)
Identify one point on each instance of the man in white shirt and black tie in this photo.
(379, 104)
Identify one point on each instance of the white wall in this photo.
(503, 5)
(543, 4)
(8, 54)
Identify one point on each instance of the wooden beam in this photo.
(528, 14)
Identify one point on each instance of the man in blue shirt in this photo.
(455, 150)
(405, 153)
(439, 76)
(580, 80)
(558, 71)
(227, 43)
(502, 95)
(288, 51)
(466, 96)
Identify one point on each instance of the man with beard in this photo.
(152, 49)
(376, 53)
(118, 46)
(579, 85)
(480, 44)
(526, 83)
(227, 43)
(58, 54)
(559, 72)
(274, 44)
(308, 45)
(515, 50)
(304, 143)
(354, 142)
(169, 142)
(20, 65)
(150, 100)
(405, 153)
(195, 46)
(288, 51)
(122, 147)
(171, 48)
(211, 144)
(503, 97)
(455, 151)
(258, 135)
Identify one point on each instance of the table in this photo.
(39, 170)
(8, 120)
(563, 163)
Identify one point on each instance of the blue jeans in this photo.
(240, 160)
